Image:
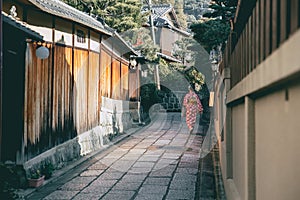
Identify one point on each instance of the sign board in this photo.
(211, 99)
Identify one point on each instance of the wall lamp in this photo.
(42, 52)
(132, 63)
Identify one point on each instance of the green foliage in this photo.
(141, 41)
(214, 32)
(182, 50)
(167, 73)
(121, 15)
(223, 8)
(47, 170)
(211, 33)
(181, 17)
(124, 15)
(35, 173)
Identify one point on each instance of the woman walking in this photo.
(192, 105)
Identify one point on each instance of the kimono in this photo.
(193, 105)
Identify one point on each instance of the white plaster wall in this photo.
(63, 38)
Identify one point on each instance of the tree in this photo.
(182, 50)
(211, 33)
(181, 17)
(140, 39)
(125, 15)
(215, 31)
(121, 15)
(222, 8)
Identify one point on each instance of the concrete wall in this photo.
(277, 120)
(238, 149)
(258, 152)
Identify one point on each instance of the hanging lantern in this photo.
(42, 52)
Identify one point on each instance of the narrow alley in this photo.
(160, 161)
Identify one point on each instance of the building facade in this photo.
(257, 102)
(72, 101)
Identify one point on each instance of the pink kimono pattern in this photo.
(193, 105)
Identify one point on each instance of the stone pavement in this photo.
(161, 161)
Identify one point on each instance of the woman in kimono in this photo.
(192, 105)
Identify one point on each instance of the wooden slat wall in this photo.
(133, 86)
(62, 79)
(80, 88)
(93, 84)
(63, 93)
(124, 82)
(105, 69)
(116, 75)
(270, 24)
(37, 98)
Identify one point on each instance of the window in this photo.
(80, 36)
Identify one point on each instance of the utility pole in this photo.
(156, 72)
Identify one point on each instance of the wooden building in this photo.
(67, 104)
(167, 30)
(257, 110)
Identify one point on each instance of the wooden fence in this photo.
(260, 28)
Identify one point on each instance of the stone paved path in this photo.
(159, 162)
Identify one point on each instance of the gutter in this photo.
(116, 34)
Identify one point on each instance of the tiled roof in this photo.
(160, 19)
(159, 10)
(58, 8)
(170, 58)
(20, 25)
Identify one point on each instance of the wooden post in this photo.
(257, 33)
(274, 25)
(1, 68)
(283, 17)
(267, 27)
(262, 27)
(294, 15)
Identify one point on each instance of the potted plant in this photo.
(36, 178)
(47, 170)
